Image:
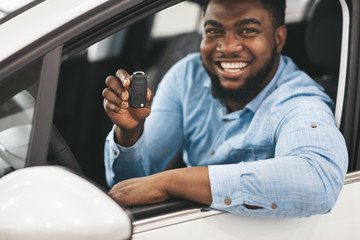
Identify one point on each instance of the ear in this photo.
(280, 37)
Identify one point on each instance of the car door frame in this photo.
(351, 108)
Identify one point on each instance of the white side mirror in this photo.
(50, 202)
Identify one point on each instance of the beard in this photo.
(248, 90)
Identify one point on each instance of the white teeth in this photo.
(233, 66)
(232, 70)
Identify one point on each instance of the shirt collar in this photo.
(207, 82)
(254, 104)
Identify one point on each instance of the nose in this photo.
(229, 44)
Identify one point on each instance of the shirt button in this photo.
(212, 153)
(313, 125)
(114, 152)
(274, 206)
(227, 201)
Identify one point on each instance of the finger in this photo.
(111, 96)
(149, 97)
(120, 192)
(114, 98)
(112, 108)
(114, 84)
(124, 77)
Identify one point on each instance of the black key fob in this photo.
(138, 90)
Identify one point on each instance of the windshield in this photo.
(15, 117)
(11, 8)
(17, 103)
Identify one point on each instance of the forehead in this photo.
(227, 10)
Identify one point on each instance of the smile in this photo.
(233, 66)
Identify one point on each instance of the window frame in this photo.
(351, 107)
(44, 109)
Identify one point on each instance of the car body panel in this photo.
(15, 37)
(340, 223)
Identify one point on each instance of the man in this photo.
(259, 136)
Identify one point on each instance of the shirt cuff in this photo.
(115, 153)
(230, 192)
(116, 149)
(223, 181)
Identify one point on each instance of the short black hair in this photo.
(275, 7)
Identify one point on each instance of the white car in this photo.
(54, 58)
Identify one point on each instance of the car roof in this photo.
(34, 23)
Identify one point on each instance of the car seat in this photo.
(323, 43)
(175, 50)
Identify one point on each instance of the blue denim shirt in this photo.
(282, 152)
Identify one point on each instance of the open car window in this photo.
(152, 46)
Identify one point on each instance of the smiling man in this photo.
(258, 134)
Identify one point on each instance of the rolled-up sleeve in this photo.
(304, 178)
(122, 162)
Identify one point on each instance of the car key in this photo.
(138, 90)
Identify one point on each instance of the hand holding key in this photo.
(129, 121)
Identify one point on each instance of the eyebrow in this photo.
(213, 22)
(236, 24)
(247, 21)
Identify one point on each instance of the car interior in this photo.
(81, 125)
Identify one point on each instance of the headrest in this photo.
(323, 35)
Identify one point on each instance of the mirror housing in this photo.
(49, 202)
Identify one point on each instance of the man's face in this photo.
(240, 45)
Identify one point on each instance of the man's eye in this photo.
(212, 31)
(249, 31)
